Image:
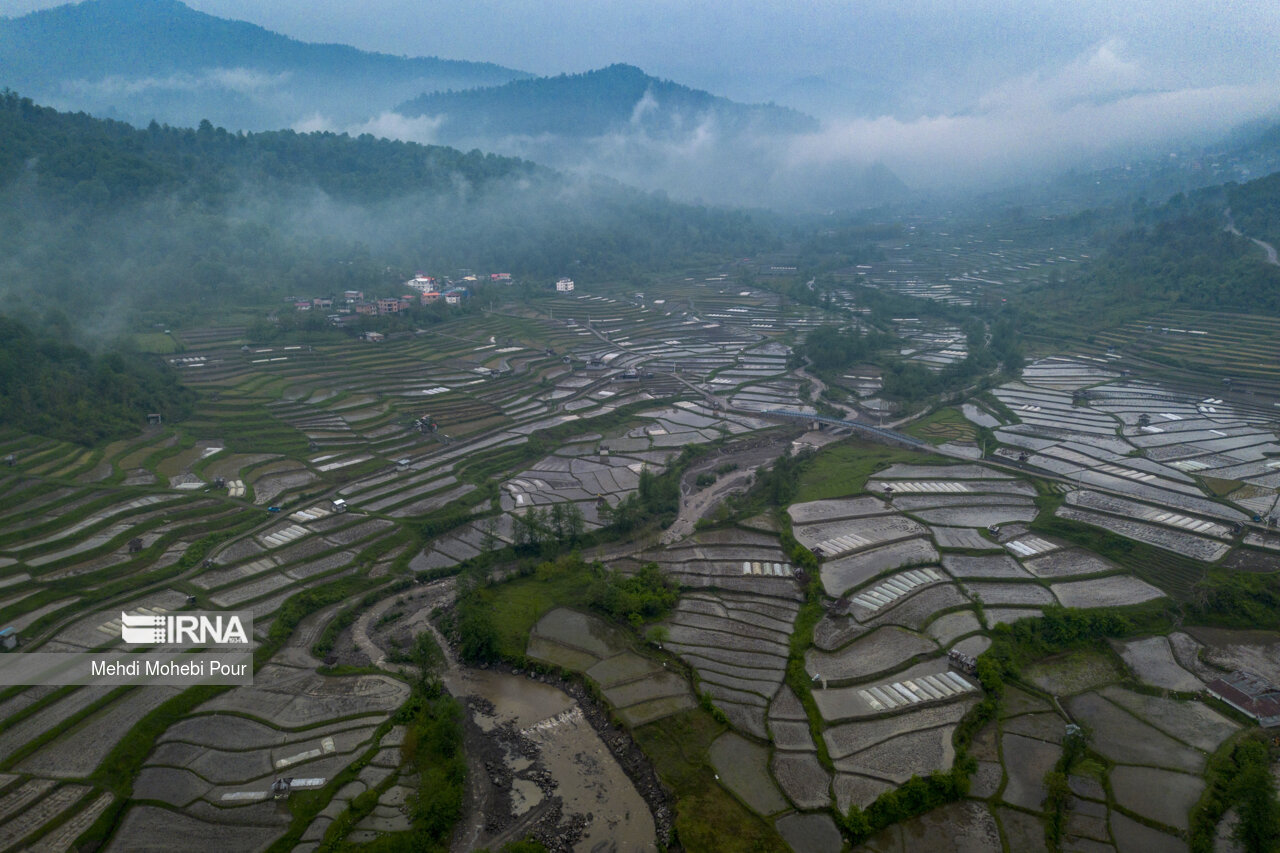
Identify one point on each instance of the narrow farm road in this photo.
(1272, 257)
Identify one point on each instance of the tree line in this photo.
(51, 387)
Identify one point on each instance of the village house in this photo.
(322, 302)
(564, 285)
(430, 296)
(1249, 694)
(353, 296)
(388, 306)
(366, 308)
(500, 276)
(421, 283)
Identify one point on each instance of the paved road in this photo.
(1272, 258)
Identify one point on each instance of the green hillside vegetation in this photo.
(103, 214)
(1176, 255)
(830, 350)
(49, 387)
(1255, 206)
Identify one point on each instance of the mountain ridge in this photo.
(145, 59)
(597, 102)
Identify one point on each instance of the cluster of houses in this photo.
(354, 302)
(426, 290)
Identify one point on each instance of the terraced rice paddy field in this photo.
(917, 566)
(1154, 750)
(961, 267)
(1155, 465)
(176, 517)
(913, 568)
(1240, 346)
(827, 691)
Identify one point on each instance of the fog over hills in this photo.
(139, 60)
(597, 102)
(908, 100)
(121, 221)
(648, 132)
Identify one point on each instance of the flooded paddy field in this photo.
(806, 686)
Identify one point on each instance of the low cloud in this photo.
(1094, 111)
(390, 125)
(244, 81)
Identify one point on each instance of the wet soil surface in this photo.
(514, 787)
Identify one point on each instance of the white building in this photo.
(421, 283)
(564, 285)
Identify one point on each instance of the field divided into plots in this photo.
(640, 689)
(1242, 346)
(178, 515)
(568, 402)
(883, 686)
(1153, 750)
(1149, 464)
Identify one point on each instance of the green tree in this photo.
(1258, 829)
(477, 635)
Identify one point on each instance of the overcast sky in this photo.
(934, 56)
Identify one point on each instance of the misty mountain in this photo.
(140, 60)
(620, 98)
(654, 134)
(110, 223)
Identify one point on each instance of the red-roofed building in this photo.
(1249, 694)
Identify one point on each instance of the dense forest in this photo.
(49, 387)
(112, 218)
(1255, 206)
(1177, 254)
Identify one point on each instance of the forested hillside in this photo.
(1178, 254)
(144, 59)
(1255, 206)
(79, 160)
(111, 219)
(50, 387)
